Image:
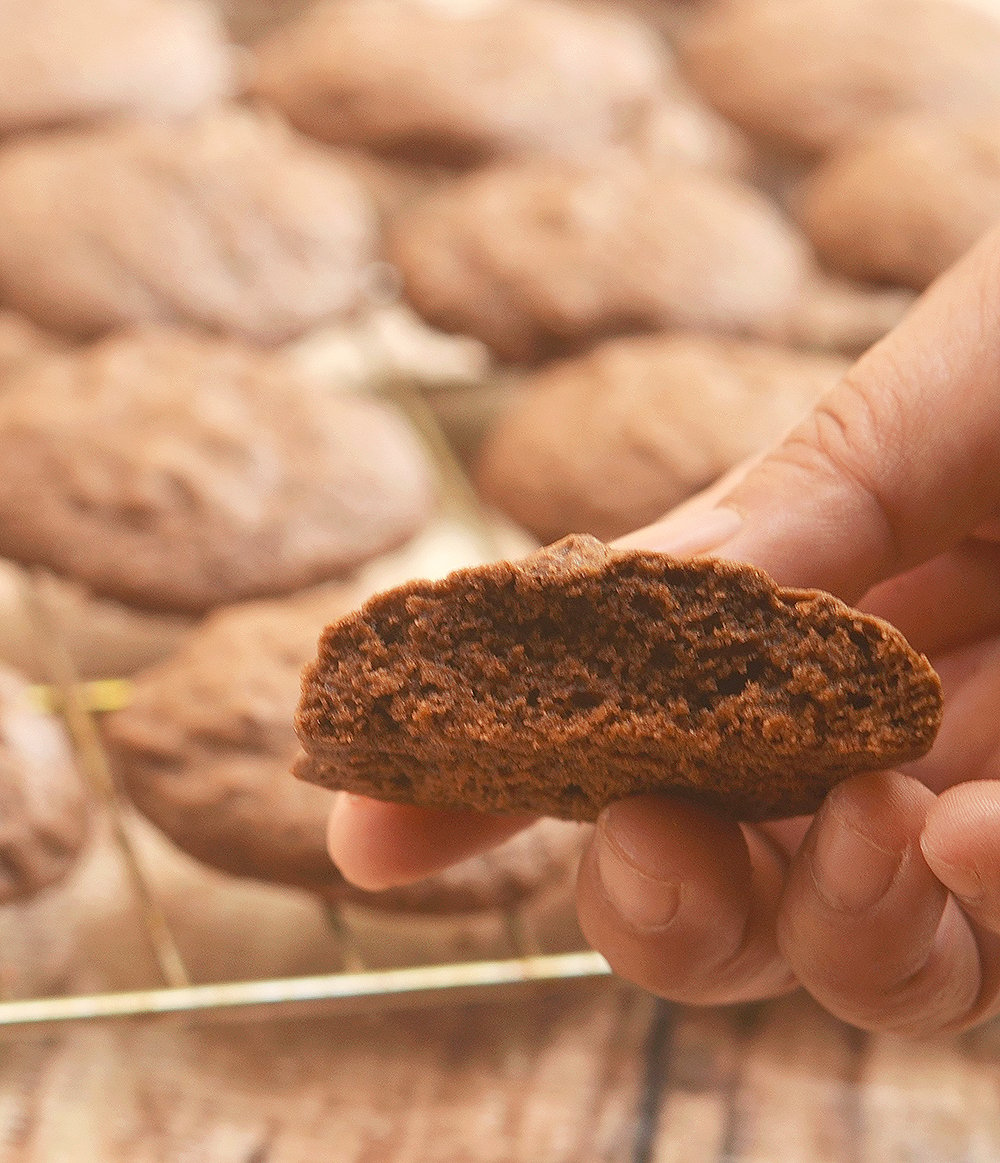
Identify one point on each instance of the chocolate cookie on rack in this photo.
(806, 75)
(62, 61)
(905, 200)
(206, 743)
(542, 258)
(178, 472)
(462, 83)
(583, 675)
(43, 822)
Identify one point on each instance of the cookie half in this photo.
(583, 674)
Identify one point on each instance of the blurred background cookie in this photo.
(540, 258)
(177, 472)
(43, 804)
(103, 638)
(204, 746)
(903, 202)
(63, 61)
(229, 221)
(461, 83)
(610, 441)
(806, 74)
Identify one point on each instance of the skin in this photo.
(885, 905)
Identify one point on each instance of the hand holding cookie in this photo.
(888, 910)
(886, 904)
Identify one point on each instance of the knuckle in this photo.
(853, 439)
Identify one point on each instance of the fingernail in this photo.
(961, 879)
(687, 534)
(851, 872)
(644, 903)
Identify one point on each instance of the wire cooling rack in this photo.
(356, 986)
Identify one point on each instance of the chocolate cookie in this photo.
(542, 258)
(104, 639)
(838, 314)
(582, 675)
(204, 746)
(610, 441)
(457, 83)
(64, 61)
(43, 803)
(229, 221)
(806, 74)
(904, 202)
(178, 472)
(206, 743)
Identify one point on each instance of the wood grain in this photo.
(551, 1078)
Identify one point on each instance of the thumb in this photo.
(898, 463)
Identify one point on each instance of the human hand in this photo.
(886, 905)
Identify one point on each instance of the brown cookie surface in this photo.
(43, 802)
(204, 749)
(541, 258)
(461, 83)
(582, 675)
(609, 441)
(20, 343)
(229, 222)
(179, 472)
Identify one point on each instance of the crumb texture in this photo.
(584, 674)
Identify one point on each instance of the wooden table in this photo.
(582, 1072)
(595, 1072)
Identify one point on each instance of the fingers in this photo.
(379, 845)
(895, 466)
(968, 743)
(683, 903)
(961, 844)
(868, 928)
(946, 602)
